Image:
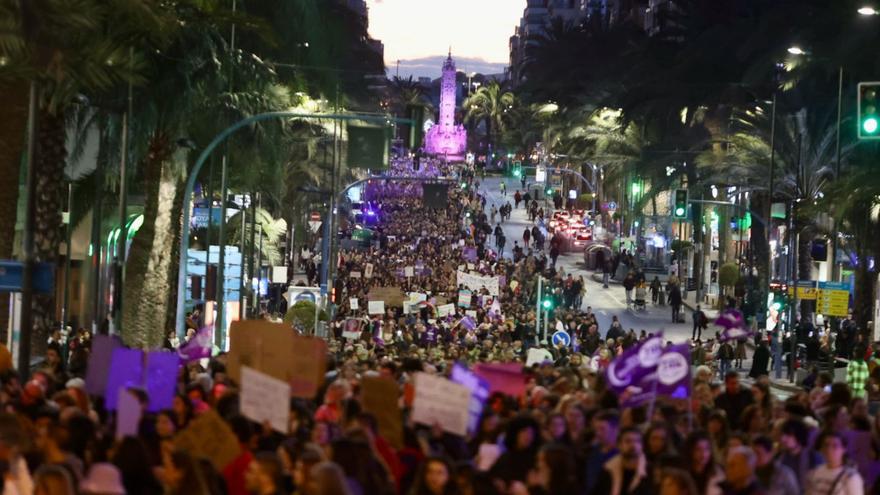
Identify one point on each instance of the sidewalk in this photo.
(711, 313)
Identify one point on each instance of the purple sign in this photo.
(198, 347)
(126, 370)
(674, 372)
(99, 363)
(468, 323)
(470, 254)
(161, 379)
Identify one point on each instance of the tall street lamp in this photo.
(868, 11)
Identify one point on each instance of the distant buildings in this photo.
(359, 8)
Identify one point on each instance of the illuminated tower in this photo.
(446, 138)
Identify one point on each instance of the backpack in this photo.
(725, 351)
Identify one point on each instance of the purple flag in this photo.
(199, 347)
(674, 372)
(99, 363)
(479, 393)
(734, 326)
(635, 362)
(470, 254)
(468, 323)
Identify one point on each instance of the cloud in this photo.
(432, 66)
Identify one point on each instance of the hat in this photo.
(103, 478)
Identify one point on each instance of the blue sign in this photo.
(561, 337)
(834, 286)
(11, 273)
(612, 205)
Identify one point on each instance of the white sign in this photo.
(471, 313)
(353, 303)
(476, 282)
(279, 274)
(354, 275)
(417, 297)
(540, 175)
(376, 307)
(408, 271)
(538, 356)
(368, 270)
(265, 399)
(445, 310)
(438, 400)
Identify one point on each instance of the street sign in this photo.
(561, 337)
(314, 221)
(11, 273)
(540, 175)
(833, 299)
(611, 206)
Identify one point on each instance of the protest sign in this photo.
(538, 356)
(479, 393)
(209, 436)
(393, 296)
(160, 379)
(128, 414)
(99, 363)
(264, 399)
(354, 275)
(445, 310)
(471, 313)
(126, 370)
(408, 271)
(734, 326)
(261, 345)
(353, 303)
(633, 374)
(376, 307)
(368, 270)
(380, 398)
(440, 401)
(307, 370)
(476, 282)
(417, 297)
(470, 254)
(506, 378)
(352, 329)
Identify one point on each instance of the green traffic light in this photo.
(549, 192)
(546, 304)
(464, 185)
(679, 212)
(517, 173)
(869, 125)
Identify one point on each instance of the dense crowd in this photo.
(566, 433)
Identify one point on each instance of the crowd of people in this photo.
(566, 433)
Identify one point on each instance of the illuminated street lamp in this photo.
(796, 50)
(867, 10)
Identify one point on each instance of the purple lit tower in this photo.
(446, 138)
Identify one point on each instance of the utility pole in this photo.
(538, 308)
(27, 279)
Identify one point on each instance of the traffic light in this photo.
(680, 205)
(780, 297)
(869, 110)
(547, 304)
(549, 191)
(517, 168)
(464, 185)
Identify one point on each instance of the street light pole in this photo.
(27, 279)
(835, 242)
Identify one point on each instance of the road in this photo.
(604, 302)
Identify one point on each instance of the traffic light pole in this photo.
(538, 308)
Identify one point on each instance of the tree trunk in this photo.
(50, 159)
(149, 277)
(805, 266)
(13, 100)
(760, 247)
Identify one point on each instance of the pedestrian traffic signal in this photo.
(464, 185)
(680, 205)
(517, 169)
(547, 304)
(549, 191)
(869, 110)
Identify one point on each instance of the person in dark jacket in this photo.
(522, 440)
(627, 472)
(734, 399)
(760, 360)
(675, 301)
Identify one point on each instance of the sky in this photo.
(420, 32)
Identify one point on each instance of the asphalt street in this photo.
(604, 302)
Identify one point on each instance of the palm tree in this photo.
(490, 104)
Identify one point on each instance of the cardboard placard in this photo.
(538, 356)
(354, 275)
(307, 370)
(376, 307)
(352, 329)
(353, 303)
(126, 370)
(393, 296)
(160, 379)
(380, 398)
(262, 345)
(209, 436)
(264, 399)
(438, 400)
(408, 271)
(368, 270)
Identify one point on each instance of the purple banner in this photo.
(733, 326)
(468, 323)
(674, 372)
(99, 363)
(198, 347)
(470, 254)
